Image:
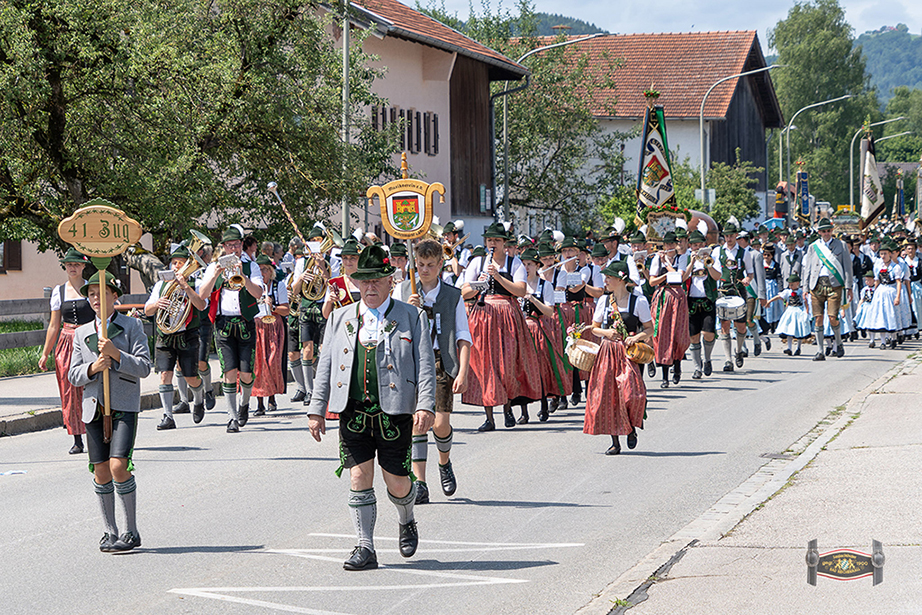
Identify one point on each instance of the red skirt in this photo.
(269, 378)
(71, 396)
(572, 314)
(504, 362)
(617, 397)
(554, 375)
(670, 318)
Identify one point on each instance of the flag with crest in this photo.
(872, 195)
(654, 181)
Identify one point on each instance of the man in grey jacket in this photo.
(123, 350)
(377, 371)
(827, 271)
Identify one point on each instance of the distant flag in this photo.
(872, 196)
(654, 181)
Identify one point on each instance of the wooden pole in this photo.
(101, 265)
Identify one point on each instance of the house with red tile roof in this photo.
(437, 82)
(738, 113)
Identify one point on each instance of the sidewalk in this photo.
(854, 479)
(32, 403)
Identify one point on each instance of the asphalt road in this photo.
(257, 522)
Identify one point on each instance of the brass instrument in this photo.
(269, 318)
(174, 317)
(449, 249)
(233, 268)
(704, 256)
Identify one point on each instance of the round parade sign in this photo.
(99, 229)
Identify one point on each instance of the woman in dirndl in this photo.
(570, 286)
(671, 337)
(907, 315)
(617, 398)
(541, 320)
(269, 375)
(883, 314)
(795, 323)
(504, 363)
(915, 278)
(773, 285)
(69, 310)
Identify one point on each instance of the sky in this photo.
(635, 16)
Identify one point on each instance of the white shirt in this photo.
(641, 307)
(230, 299)
(472, 273)
(56, 298)
(462, 329)
(155, 293)
(372, 325)
(547, 294)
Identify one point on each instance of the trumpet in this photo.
(449, 249)
(704, 256)
(234, 269)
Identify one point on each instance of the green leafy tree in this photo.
(178, 112)
(734, 187)
(893, 57)
(906, 103)
(816, 46)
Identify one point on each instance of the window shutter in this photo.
(13, 256)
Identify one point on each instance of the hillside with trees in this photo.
(893, 58)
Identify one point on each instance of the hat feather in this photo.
(619, 225)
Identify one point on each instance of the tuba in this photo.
(316, 289)
(175, 316)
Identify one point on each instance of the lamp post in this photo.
(345, 201)
(506, 91)
(799, 111)
(704, 197)
(851, 160)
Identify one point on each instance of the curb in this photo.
(50, 418)
(733, 508)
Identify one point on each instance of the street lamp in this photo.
(851, 159)
(902, 134)
(506, 91)
(701, 116)
(799, 111)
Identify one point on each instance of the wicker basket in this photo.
(582, 354)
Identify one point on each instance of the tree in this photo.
(178, 112)
(561, 165)
(815, 45)
(734, 189)
(908, 148)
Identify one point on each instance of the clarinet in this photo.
(483, 293)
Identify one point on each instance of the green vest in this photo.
(196, 320)
(363, 386)
(248, 306)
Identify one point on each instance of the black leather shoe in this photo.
(298, 396)
(708, 368)
(757, 350)
(828, 350)
(260, 411)
(739, 359)
(853, 336)
(107, 543)
(422, 493)
(243, 414)
(575, 399)
(562, 403)
(127, 542)
(76, 449)
(664, 384)
(198, 413)
(233, 426)
(182, 408)
(840, 351)
(166, 423)
(651, 369)
(409, 539)
(543, 415)
(361, 559)
(307, 399)
(864, 333)
(210, 400)
(676, 373)
(696, 375)
(552, 404)
(488, 425)
(632, 438)
(768, 343)
(614, 449)
(447, 475)
(787, 351)
(744, 352)
(819, 357)
(270, 407)
(797, 352)
(523, 420)
(893, 344)
(509, 418)
(728, 367)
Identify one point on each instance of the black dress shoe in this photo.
(298, 396)
(543, 415)
(166, 423)
(562, 403)
(107, 543)
(576, 398)
(664, 384)
(797, 352)
(708, 368)
(260, 411)
(864, 333)
(728, 367)
(840, 351)
(676, 373)
(893, 344)
(523, 420)
(447, 476)
(651, 369)
(787, 351)
(757, 350)
(615, 448)
(739, 359)
(696, 375)
(509, 418)
(233, 426)
(853, 336)
(422, 492)
(361, 559)
(76, 449)
(198, 413)
(182, 408)
(488, 425)
(409, 539)
(828, 350)
(744, 352)
(552, 404)
(768, 343)
(243, 414)
(632, 438)
(819, 357)
(210, 400)
(127, 542)
(307, 399)
(271, 407)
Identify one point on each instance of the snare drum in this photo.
(731, 308)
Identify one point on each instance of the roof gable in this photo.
(400, 21)
(681, 66)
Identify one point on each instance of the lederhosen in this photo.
(702, 311)
(235, 335)
(311, 321)
(181, 347)
(730, 283)
(365, 430)
(205, 327)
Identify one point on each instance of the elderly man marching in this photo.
(827, 270)
(384, 390)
